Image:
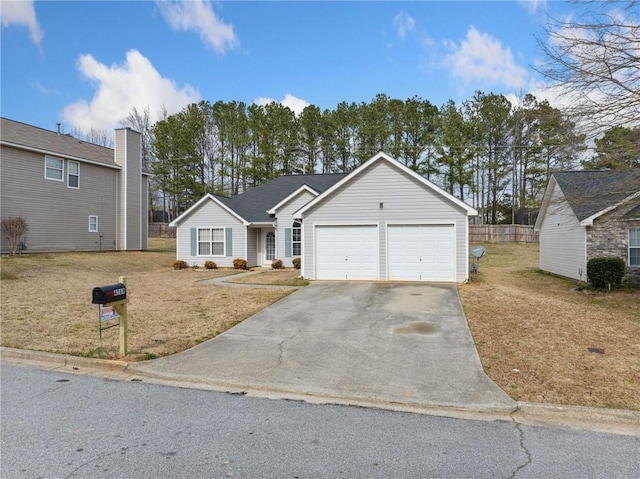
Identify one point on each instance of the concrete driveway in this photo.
(400, 343)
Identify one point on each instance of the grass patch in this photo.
(169, 311)
(534, 332)
(286, 277)
(6, 275)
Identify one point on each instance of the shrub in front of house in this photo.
(239, 263)
(277, 264)
(606, 272)
(179, 264)
(296, 263)
(210, 265)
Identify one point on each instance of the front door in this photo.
(268, 247)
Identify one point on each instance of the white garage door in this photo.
(346, 252)
(421, 252)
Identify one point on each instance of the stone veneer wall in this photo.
(609, 235)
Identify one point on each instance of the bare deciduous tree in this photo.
(13, 228)
(594, 61)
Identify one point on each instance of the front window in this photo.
(210, 241)
(73, 174)
(296, 238)
(93, 224)
(634, 247)
(53, 168)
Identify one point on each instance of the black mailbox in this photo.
(109, 293)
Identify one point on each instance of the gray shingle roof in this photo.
(253, 204)
(589, 192)
(29, 136)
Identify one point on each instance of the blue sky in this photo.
(87, 64)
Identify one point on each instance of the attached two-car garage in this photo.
(423, 252)
(385, 222)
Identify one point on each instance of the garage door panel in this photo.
(421, 252)
(347, 252)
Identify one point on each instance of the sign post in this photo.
(115, 295)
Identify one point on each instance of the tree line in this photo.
(495, 155)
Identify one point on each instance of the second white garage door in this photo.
(421, 252)
(347, 252)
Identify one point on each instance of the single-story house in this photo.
(382, 221)
(587, 214)
(74, 195)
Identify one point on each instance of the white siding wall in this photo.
(58, 216)
(285, 220)
(404, 200)
(210, 215)
(562, 240)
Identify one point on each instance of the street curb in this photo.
(62, 360)
(620, 421)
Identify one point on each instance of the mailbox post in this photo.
(115, 295)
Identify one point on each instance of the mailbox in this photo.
(109, 293)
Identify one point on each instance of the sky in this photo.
(86, 64)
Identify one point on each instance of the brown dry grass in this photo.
(538, 324)
(46, 302)
(284, 277)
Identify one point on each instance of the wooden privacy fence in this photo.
(161, 230)
(502, 234)
(477, 233)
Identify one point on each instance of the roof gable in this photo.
(28, 137)
(381, 156)
(293, 195)
(591, 194)
(219, 200)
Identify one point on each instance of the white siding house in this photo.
(382, 221)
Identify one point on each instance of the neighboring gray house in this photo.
(382, 221)
(586, 214)
(75, 196)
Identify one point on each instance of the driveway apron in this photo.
(404, 343)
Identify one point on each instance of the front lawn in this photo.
(541, 340)
(46, 302)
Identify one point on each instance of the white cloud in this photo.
(481, 58)
(295, 104)
(533, 6)
(198, 15)
(22, 13)
(403, 23)
(119, 88)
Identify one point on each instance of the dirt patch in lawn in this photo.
(46, 302)
(285, 277)
(541, 340)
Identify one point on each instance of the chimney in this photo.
(59, 127)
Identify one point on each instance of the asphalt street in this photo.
(57, 425)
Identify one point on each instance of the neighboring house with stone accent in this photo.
(75, 196)
(587, 214)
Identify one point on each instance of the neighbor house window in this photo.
(634, 247)
(296, 238)
(93, 224)
(53, 168)
(73, 174)
(210, 241)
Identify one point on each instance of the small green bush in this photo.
(239, 263)
(296, 263)
(277, 264)
(210, 265)
(606, 272)
(179, 264)
(195, 267)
